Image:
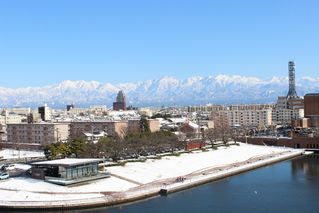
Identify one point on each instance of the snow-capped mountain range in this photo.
(168, 91)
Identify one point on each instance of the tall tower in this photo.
(292, 94)
(120, 103)
(120, 96)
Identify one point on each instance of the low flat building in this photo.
(68, 171)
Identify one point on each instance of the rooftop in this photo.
(69, 161)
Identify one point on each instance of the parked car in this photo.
(9, 167)
(4, 176)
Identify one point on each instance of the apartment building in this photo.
(112, 128)
(284, 116)
(247, 117)
(37, 133)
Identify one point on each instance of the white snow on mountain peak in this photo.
(237, 79)
(310, 79)
(164, 91)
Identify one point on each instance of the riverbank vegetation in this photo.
(131, 146)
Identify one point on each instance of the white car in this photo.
(10, 167)
(4, 176)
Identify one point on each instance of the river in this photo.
(289, 186)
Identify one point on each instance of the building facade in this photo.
(111, 128)
(120, 103)
(45, 112)
(37, 133)
(312, 109)
(284, 116)
(248, 116)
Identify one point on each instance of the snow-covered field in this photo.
(27, 189)
(33, 185)
(12, 154)
(167, 167)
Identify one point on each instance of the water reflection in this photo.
(308, 165)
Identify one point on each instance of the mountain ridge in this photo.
(194, 90)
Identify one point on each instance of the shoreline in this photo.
(158, 187)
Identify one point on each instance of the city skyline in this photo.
(45, 43)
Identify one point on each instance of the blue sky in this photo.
(45, 42)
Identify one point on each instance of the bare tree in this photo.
(235, 134)
(221, 126)
(211, 135)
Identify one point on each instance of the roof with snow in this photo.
(193, 125)
(69, 162)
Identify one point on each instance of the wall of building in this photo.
(40, 133)
(257, 118)
(112, 128)
(282, 116)
(154, 125)
(296, 142)
(312, 109)
(11, 119)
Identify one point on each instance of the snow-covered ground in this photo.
(13, 154)
(22, 196)
(128, 176)
(167, 167)
(33, 185)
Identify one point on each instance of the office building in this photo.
(120, 103)
(312, 109)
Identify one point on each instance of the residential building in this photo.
(11, 118)
(146, 111)
(111, 128)
(20, 110)
(206, 108)
(77, 111)
(2, 133)
(284, 116)
(248, 115)
(98, 109)
(37, 133)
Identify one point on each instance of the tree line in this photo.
(131, 146)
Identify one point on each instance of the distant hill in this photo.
(168, 91)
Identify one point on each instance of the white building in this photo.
(98, 109)
(10, 118)
(285, 116)
(20, 110)
(248, 117)
(286, 111)
(77, 111)
(45, 112)
(146, 112)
